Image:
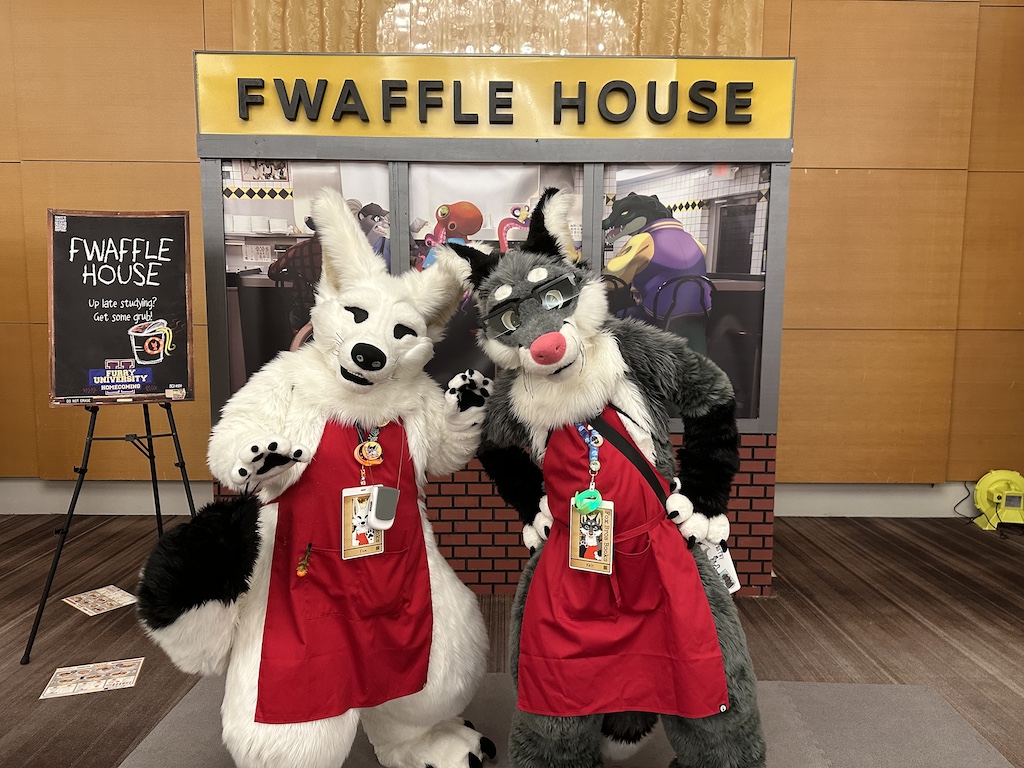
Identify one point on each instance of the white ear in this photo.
(558, 210)
(347, 254)
(438, 289)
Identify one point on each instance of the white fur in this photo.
(198, 642)
(556, 220)
(291, 399)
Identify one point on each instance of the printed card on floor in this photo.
(92, 678)
(590, 539)
(97, 601)
(358, 536)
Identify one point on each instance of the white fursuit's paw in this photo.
(466, 395)
(699, 527)
(266, 457)
(449, 744)
(538, 531)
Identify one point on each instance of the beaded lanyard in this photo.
(590, 499)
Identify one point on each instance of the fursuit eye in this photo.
(403, 330)
(359, 314)
(510, 319)
(553, 299)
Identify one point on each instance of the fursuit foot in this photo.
(449, 744)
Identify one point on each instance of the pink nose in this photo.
(548, 349)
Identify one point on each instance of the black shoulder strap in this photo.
(628, 450)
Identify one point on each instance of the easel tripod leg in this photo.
(63, 531)
(152, 470)
(181, 459)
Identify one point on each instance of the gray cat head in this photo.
(537, 303)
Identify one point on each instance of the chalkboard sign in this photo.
(120, 307)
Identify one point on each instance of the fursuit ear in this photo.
(347, 254)
(438, 289)
(481, 260)
(549, 226)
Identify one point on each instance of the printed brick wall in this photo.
(481, 538)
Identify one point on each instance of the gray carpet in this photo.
(808, 725)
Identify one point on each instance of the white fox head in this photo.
(370, 326)
(537, 303)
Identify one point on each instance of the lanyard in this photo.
(590, 499)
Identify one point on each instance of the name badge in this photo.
(590, 538)
(358, 536)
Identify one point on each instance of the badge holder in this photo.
(358, 537)
(590, 538)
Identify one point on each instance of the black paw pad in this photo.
(488, 748)
(468, 724)
(723, 545)
(475, 762)
(673, 515)
(690, 542)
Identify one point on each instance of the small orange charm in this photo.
(303, 567)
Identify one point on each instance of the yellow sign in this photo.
(493, 97)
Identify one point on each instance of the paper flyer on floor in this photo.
(92, 678)
(101, 600)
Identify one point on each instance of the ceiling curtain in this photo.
(530, 27)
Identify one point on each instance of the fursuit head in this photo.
(258, 587)
(564, 362)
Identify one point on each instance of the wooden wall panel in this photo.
(17, 416)
(775, 27)
(874, 249)
(992, 278)
(997, 135)
(14, 306)
(218, 25)
(107, 80)
(864, 406)
(109, 187)
(61, 431)
(987, 424)
(9, 112)
(883, 84)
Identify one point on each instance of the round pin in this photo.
(595, 466)
(596, 440)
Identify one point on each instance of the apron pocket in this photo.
(357, 589)
(585, 596)
(640, 586)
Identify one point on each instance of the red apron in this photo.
(640, 639)
(351, 633)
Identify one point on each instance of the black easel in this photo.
(146, 449)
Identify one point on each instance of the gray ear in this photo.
(347, 254)
(549, 226)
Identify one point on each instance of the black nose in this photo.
(368, 357)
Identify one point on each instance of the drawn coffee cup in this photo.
(151, 341)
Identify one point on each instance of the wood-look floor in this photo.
(932, 602)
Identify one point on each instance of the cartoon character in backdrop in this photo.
(259, 587)
(456, 223)
(576, 426)
(658, 250)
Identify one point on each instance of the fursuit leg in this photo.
(539, 741)
(317, 744)
(426, 728)
(732, 739)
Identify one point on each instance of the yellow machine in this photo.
(999, 496)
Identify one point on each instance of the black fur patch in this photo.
(208, 558)
(517, 479)
(481, 264)
(628, 727)
(539, 239)
(710, 458)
